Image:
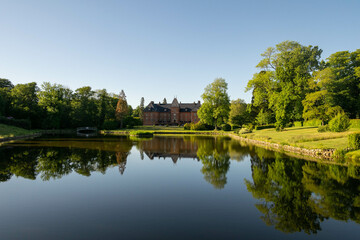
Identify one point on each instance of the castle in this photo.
(171, 114)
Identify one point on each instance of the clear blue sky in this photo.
(157, 49)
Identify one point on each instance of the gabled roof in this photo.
(184, 107)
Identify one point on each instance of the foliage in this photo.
(21, 123)
(323, 128)
(354, 141)
(355, 123)
(121, 108)
(244, 130)
(216, 107)
(139, 133)
(187, 126)
(110, 125)
(264, 127)
(130, 121)
(24, 103)
(264, 117)
(286, 70)
(340, 123)
(312, 123)
(238, 114)
(200, 126)
(344, 87)
(226, 127)
(55, 100)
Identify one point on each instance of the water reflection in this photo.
(298, 195)
(293, 195)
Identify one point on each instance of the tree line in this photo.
(54, 106)
(293, 84)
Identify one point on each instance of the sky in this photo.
(162, 49)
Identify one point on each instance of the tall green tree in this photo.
(55, 99)
(5, 88)
(289, 66)
(24, 103)
(84, 109)
(216, 103)
(238, 112)
(344, 87)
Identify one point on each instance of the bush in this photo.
(226, 127)
(298, 124)
(244, 131)
(355, 123)
(187, 126)
(110, 125)
(140, 133)
(340, 123)
(235, 126)
(21, 123)
(323, 128)
(264, 127)
(312, 123)
(354, 141)
(130, 122)
(249, 126)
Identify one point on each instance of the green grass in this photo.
(11, 131)
(306, 137)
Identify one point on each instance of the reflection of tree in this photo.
(298, 195)
(55, 162)
(286, 202)
(216, 161)
(336, 193)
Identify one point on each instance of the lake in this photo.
(181, 187)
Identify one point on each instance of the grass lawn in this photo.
(307, 137)
(11, 131)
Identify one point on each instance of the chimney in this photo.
(199, 102)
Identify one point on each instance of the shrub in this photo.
(244, 131)
(235, 126)
(198, 126)
(323, 128)
(21, 123)
(354, 141)
(110, 125)
(187, 126)
(140, 133)
(264, 127)
(249, 126)
(225, 127)
(298, 124)
(340, 123)
(355, 123)
(312, 123)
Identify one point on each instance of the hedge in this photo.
(354, 141)
(21, 123)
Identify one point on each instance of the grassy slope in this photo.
(307, 137)
(11, 131)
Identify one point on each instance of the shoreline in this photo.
(318, 155)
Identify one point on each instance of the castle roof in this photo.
(184, 107)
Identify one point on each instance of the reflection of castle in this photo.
(174, 148)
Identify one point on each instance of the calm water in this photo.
(171, 188)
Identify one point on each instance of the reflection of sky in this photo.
(153, 199)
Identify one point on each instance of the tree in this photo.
(288, 68)
(121, 108)
(55, 99)
(84, 109)
(24, 103)
(216, 107)
(5, 88)
(344, 87)
(142, 107)
(238, 112)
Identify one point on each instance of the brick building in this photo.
(171, 114)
